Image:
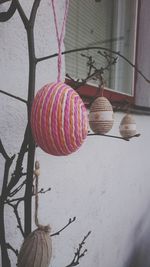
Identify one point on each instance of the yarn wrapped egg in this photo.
(36, 249)
(127, 126)
(58, 119)
(101, 116)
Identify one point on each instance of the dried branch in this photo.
(42, 191)
(11, 248)
(90, 63)
(13, 96)
(70, 221)
(3, 151)
(114, 136)
(4, 16)
(94, 72)
(4, 1)
(19, 199)
(79, 253)
(15, 209)
(3, 197)
(34, 11)
(21, 13)
(16, 190)
(18, 169)
(98, 48)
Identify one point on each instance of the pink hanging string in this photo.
(61, 36)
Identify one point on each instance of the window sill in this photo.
(120, 102)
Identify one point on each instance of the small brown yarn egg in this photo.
(36, 249)
(127, 126)
(101, 116)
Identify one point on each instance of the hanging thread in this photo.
(36, 177)
(61, 36)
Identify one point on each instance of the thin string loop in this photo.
(60, 37)
(45, 228)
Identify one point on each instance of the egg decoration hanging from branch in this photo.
(127, 126)
(101, 116)
(59, 119)
(36, 249)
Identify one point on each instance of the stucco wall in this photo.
(105, 184)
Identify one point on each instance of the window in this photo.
(102, 23)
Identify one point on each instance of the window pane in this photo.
(107, 23)
(125, 32)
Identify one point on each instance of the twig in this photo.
(3, 151)
(31, 143)
(34, 11)
(4, 16)
(16, 190)
(4, 1)
(19, 199)
(21, 13)
(97, 73)
(70, 221)
(8, 162)
(42, 191)
(13, 96)
(97, 48)
(11, 248)
(18, 169)
(15, 208)
(79, 254)
(114, 136)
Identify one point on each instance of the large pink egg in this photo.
(58, 119)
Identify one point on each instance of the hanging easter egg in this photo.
(101, 116)
(58, 119)
(127, 126)
(36, 249)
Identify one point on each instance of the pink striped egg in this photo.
(59, 120)
(101, 116)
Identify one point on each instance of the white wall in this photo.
(105, 184)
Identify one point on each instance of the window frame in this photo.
(89, 91)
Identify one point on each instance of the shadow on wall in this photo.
(140, 255)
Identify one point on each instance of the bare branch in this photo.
(15, 208)
(34, 11)
(11, 248)
(98, 48)
(114, 136)
(21, 13)
(42, 191)
(18, 169)
(79, 253)
(4, 16)
(70, 221)
(3, 151)
(4, 1)
(19, 199)
(13, 96)
(16, 190)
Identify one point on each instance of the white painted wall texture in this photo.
(105, 184)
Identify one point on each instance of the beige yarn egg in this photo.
(36, 250)
(101, 116)
(127, 126)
